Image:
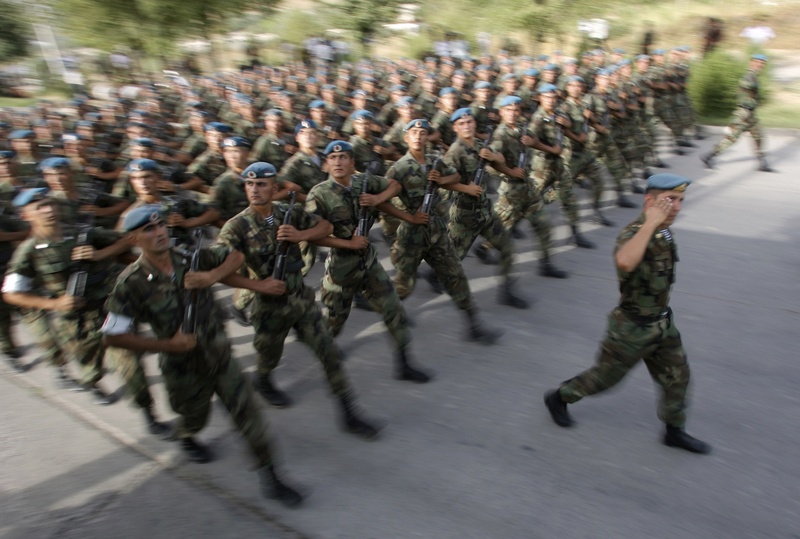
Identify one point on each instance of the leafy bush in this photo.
(714, 83)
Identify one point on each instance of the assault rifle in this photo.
(79, 269)
(279, 272)
(190, 309)
(480, 173)
(363, 212)
(430, 189)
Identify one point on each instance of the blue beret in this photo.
(199, 114)
(236, 142)
(144, 142)
(305, 124)
(358, 93)
(338, 146)
(7, 154)
(316, 104)
(430, 59)
(509, 100)
(140, 165)
(542, 58)
(575, 78)
(138, 217)
(218, 127)
(550, 67)
(419, 123)
(26, 196)
(762, 57)
(570, 62)
(311, 80)
(406, 101)
(509, 76)
(546, 89)
(84, 123)
(273, 112)
(259, 170)
(194, 104)
(624, 62)
(483, 85)
(612, 69)
(362, 114)
(21, 133)
(397, 88)
(532, 72)
(602, 73)
(54, 162)
(482, 67)
(658, 52)
(72, 137)
(448, 63)
(460, 113)
(668, 182)
(459, 73)
(618, 50)
(327, 87)
(640, 57)
(447, 91)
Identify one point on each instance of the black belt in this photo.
(639, 319)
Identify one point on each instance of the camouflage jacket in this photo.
(465, 161)
(645, 290)
(194, 145)
(396, 136)
(9, 222)
(364, 153)
(574, 111)
(304, 170)
(228, 194)
(441, 122)
(208, 166)
(414, 180)
(749, 94)
(180, 204)
(251, 235)
(544, 127)
(339, 205)
(506, 140)
(270, 149)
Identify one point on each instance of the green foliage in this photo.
(296, 26)
(419, 47)
(714, 83)
(364, 17)
(14, 31)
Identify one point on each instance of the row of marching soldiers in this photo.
(82, 222)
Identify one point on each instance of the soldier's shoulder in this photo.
(130, 274)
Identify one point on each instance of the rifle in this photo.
(175, 208)
(559, 130)
(79, 269)
(363, 212)
(279, 272)
(481, 171)
(190, 309)
(430, 189)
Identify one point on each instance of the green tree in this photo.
(14, 31)
(364, 17)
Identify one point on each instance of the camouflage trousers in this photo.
(7, 343)
(467, 223)
(743, 120)
(78, 335)
(552, 172)
(586, 164)
(604, 147)
(658, 344)
(431, 243)
(518, 200)
(374, 284)
(192, 380)
(128, 365)
(309, 253)
(684, 111)
(274, 316)
(664, 108)
(42, 330)
(624, 135)
(242, 297)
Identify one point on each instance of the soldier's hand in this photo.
(198, 279)
(87, 208)
(272, 287)
(166, 186)
(473, 190)
(659, 211)
(380, 150)
(67, 303)
(487, 154)
(368, 200)
(563, 120)
(176, 219)
(555, 150)
(434, 176)
(527, 140)
(419, 218)
(518, 173)
(358, 243)
(83, 252)
(181, 342)
(289, 233)
(91, 171)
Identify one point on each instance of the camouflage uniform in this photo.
(179, 204)
(194, 145)
(602, 144)
(348, 272)
(274, 316)
(269, 149)
(208, 166)
(306, 171)
(429, 242)
(145, 295)
(744, 119)
(519, 198)
(9, 222)
(642, 327)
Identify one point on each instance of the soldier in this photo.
(549, 162)
(12, 231)
(204, 170)
(353, 267)
(227, 193)
(195, 364)
(271, 146)
(642, 326)
(281, 305)
(745, 119)
(472, 214)
(422, 235)
(42, 276)
(518, 198)
(444, 135)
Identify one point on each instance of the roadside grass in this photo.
(17, 101)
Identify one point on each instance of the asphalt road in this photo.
(474, 454)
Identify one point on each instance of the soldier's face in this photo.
(449, 102)
(5, 168)
(42, 214)
(465, 127)
(574, 89)
(272, 123)
(510, 114)
(58, 179)
(235, 157)
(259, 190)
(416, 138)
(548, 101)
(318, 115)
(307, 138)
(675, 199)
(144, 182)
(152, 237)
(341, 165)
(213, 138)
(757, 65)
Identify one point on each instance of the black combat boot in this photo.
(196, 451)
(273, 488)
(708, 160)
(403, 370)
(677, 437)
(516, 233)
(485, 255)
(763, 166)
(65, 381)
(548, 269)
(685, 143)
(478, 332)
(601, 219)
(12, 358)
(272, 394)
(506, 296)
(354, 424)
(436, 285)
(155, 427)
(240, 316)
(625, 202)
(100, 397)
(558, 409)
(580, 240)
